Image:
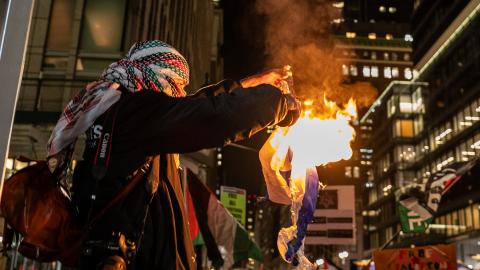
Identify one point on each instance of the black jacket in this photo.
(150, 123)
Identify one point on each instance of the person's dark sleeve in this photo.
(156, 123)
(224, 86)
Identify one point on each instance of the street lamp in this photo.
(343, 255)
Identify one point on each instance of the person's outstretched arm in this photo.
(156, 123)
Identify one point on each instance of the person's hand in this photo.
(294, 111)
(273, 77)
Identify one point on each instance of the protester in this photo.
(138, 116)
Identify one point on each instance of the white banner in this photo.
(334, 219)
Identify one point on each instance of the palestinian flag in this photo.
(226, 239)
(419, 204)
(195, 233)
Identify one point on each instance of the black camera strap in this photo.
(104, 144)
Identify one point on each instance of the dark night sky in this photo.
(243, 49)
(244, 55)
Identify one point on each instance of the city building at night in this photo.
(425, 125)
(373, 41)
(422, 56)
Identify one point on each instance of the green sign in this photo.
(234, 199)
(411, 221)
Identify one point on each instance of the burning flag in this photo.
(288, 161)
(420, 203)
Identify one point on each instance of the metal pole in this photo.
(184, 174)
(13, 45)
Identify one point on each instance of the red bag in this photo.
(34, 205)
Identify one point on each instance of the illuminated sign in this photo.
(426, 257)
(234, 199)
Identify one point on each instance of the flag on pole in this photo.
(418, 205)
(231, 239)
(195, 233)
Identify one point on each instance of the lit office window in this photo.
(345, 70)
(374, 71)
(384, 163)
(382, 9)
(386, 187)
(395, 72)
(443, 133)
(470, 112)
(406, 105)
(444, 161)
(461, 220)
(373, 55)
(337, 20)
(417, 101)
(348, 171)
(391, 108)
(356, 172)
(418, 124)
(350, 34)
(405, 153)
(475, 144)
(475, 208)
(403, 128)
(366, 71)
(61, 24)
(392, 9)
(407, 72)
(469, 217)
(103, 26)
(406, 57)
(338, 4)
(468, 116)
(386, 56)
(388, 36)
(408, 38)
(387, 72)
(353, 70)
(372, 196)
(372, 35)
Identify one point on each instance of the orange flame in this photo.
(315, 139)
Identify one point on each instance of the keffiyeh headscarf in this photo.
(150, 65)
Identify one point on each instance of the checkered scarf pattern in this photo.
(151, 65)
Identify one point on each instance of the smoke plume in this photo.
(297, 33)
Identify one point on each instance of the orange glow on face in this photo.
(315, 139)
